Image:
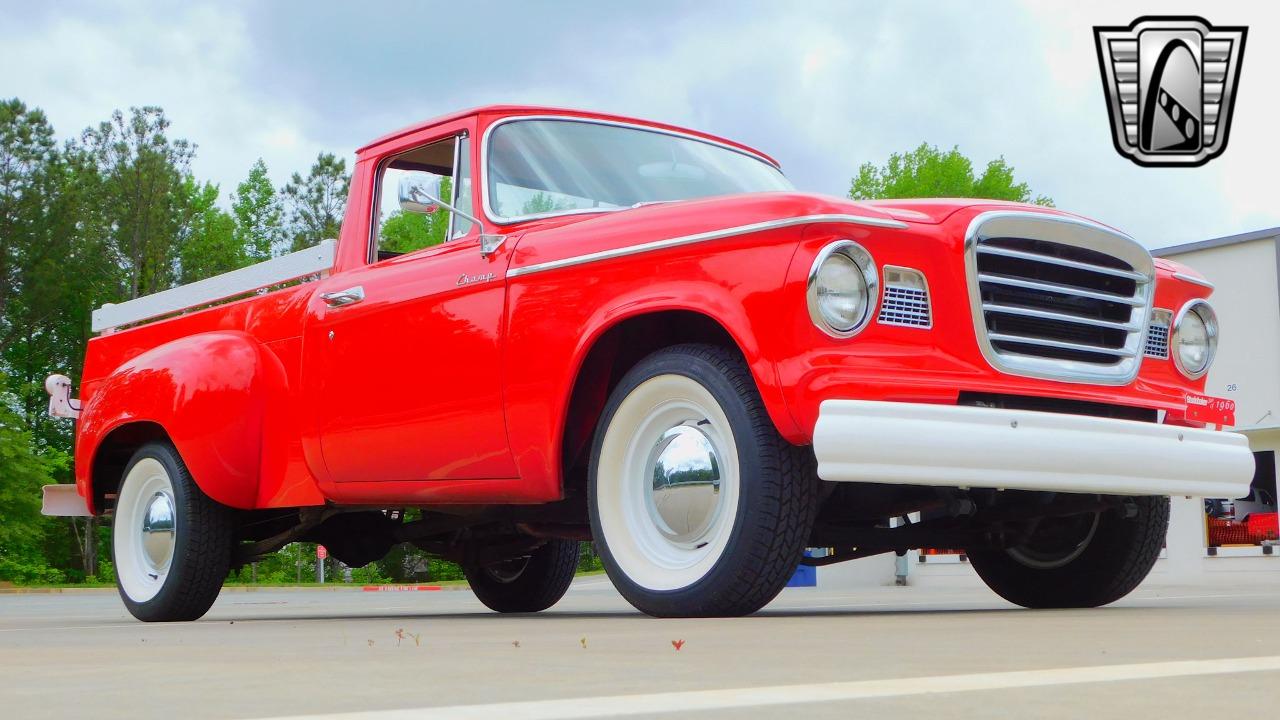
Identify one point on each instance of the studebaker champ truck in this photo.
(643, 336)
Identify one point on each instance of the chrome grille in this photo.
(1057, 297)
(1157, 345)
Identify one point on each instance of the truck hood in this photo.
(933, 211)
(573, 235)
(569, 236)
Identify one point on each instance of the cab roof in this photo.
(510, 110)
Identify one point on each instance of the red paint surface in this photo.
(431, 392)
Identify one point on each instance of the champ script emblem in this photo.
(1170, 84)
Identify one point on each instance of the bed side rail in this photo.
(313, 260)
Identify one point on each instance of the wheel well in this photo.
(113, 455)
(611, 356)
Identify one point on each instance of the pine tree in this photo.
(259, 219)
(317, 202)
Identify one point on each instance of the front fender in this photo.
(208, 392)
(740, 320)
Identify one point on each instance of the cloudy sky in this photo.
(823, 90)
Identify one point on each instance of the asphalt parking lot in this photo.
(901, 652)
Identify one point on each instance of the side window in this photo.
(396, 231)
(462, 192)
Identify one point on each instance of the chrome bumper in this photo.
(963, 446)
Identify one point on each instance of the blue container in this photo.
(806, 576)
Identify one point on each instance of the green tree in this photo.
(927, 172)
(207, 244)
(259, 221)
(27, 152)
(317, 202)
(404, 232)
(23, 530)
(143, 174)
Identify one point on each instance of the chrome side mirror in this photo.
(420, 193)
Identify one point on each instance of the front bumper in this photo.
(963, 446)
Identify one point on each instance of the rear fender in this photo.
(208, 392)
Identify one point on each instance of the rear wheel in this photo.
(528, 584)
(698, 506)
(171, 543)
(1078, 561)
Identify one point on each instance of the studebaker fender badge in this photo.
(1210, 410)
(465, 279)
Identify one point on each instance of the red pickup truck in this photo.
(644, 336)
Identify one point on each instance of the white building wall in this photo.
(1247, 300)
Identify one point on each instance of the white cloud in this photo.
(191, 63)
(823, 90)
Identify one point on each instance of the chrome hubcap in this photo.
(158, 532)
(684, 496)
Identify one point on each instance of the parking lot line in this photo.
(753, 697)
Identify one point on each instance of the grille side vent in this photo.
(906, 299)
(1157, 345)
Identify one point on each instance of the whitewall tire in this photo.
(171, 544)
(698, 506)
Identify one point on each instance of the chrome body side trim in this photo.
(1195, 280)
(703, 237)
(496, 219)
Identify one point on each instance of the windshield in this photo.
(548, 167)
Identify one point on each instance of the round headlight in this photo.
(1195, 338)
(842, 285)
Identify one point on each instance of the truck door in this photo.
(404, 355)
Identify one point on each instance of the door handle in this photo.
(350, 296)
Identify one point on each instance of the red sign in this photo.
(1211, 410)
(322, 552)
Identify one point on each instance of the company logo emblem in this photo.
(1170, 84)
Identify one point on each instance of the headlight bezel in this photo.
(1206, 314)
(861, 259)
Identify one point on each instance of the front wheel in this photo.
(1078, 561)
(698, 506)
(171, 543)
(528, 584)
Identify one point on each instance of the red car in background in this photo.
(644, 336)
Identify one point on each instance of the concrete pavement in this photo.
(955, 652)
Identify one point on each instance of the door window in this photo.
(397, 231)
